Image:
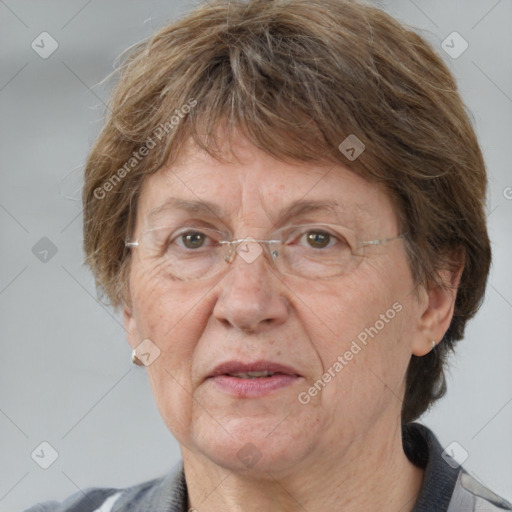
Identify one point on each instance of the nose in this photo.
(251, 298)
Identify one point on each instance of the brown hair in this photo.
(297, 77)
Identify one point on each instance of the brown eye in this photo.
(193, 239)
(318, 239)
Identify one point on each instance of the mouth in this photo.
(255, 370)
(246, 380)
(252, 375)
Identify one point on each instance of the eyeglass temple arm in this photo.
(384, 240)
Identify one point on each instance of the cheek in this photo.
(171, 317)
(163, 313)
(160, 306)
(359, 330)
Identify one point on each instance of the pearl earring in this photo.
(136, 360)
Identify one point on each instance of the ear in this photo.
(437, 304)
(130, 325)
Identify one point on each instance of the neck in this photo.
(373, 473)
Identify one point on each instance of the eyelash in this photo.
(184, 233)
(297, 238)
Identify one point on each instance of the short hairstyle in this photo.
(297, 77)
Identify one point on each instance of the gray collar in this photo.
(446, 487)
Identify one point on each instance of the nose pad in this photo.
(249, 249)
(230, 254)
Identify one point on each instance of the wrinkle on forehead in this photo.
(279, 200)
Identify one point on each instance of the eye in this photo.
(192, 239)
(318, 239)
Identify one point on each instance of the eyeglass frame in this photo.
(234, 244)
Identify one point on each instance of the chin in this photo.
(253, 445)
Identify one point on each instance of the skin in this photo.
(342, 450)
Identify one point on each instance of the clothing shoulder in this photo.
(469, 494)
(99, 499)
(447, 487)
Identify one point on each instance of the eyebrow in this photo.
(300, 208)
(204, 208)
(297, 208)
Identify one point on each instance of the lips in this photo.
(252, 380)
(257, 369)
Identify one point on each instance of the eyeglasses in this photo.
(314, 251)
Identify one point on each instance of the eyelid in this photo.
(338, 233)
(209, 232)
(329, 228)
(199, 229)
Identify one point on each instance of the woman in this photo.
(287, 203)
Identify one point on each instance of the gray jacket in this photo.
(446, 487)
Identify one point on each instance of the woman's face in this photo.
(352, 335)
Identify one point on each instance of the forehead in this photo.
(250, 184)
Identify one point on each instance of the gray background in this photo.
(66, 376)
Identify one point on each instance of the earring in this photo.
(136, 360)
(433, 344)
